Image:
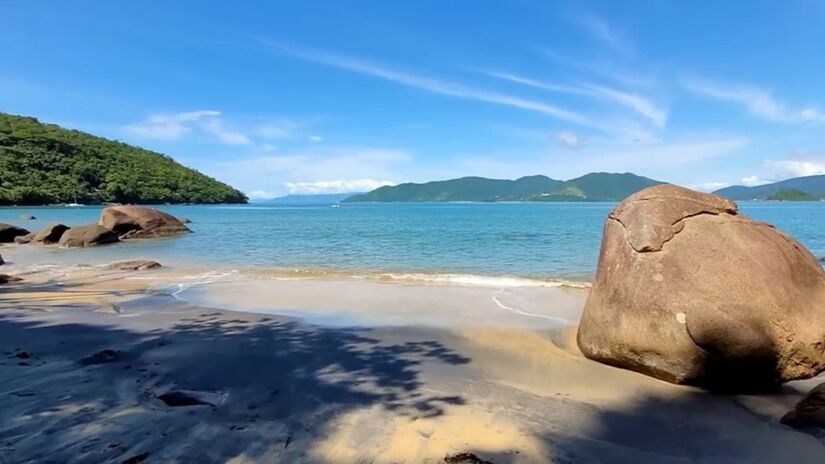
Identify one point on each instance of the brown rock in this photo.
(24, 239)
(50, 234)
(810, 411)
(1, 260)
(85, 236)
(140, 222)
(5, 279)
(8, 232)
(136, 265)
(689, 291)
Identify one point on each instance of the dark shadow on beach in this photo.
(267, 381)
(694, 426)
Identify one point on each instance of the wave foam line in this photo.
(525, 313)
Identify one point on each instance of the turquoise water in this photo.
(533, 240)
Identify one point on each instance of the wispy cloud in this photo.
(172, 126)
(757, 101)
(606, 34)
(528, 81)
(635, 102)
(602, 68)
(429, 84)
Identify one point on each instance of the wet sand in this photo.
(371, 372)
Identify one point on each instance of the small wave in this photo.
(175, 289)
(481, 280)
(474, 280)
(527, 313)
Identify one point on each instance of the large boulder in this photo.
(690, 291)
(50, 234)
(8, 232)
(85, 236)
(140, 222)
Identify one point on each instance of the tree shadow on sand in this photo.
(685, 427)
(272, 383)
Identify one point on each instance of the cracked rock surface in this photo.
(690, 291)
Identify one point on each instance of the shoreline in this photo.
(285, 389)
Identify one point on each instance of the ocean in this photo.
(502, 243)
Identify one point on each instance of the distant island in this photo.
(808, 188)
(599, 186)
(44, 164)
(308, 199)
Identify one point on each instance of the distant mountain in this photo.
(813, 188)
(591, 187)
(47, 164)
(317, 199)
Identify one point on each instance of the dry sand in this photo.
(443, 372)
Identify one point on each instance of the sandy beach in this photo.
(95, 366)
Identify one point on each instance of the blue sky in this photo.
(305, 97)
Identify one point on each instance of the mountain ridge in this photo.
(813, 188)
(596, 186)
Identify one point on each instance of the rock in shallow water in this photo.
(50, 234)
(6, 279)
(810, 411)
(8, 232)
(689, 291)
(130, 221)
(85, 236)
(24, 239)
(136, 265)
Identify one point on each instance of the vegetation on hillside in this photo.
(46, 164)
(792, 195)
(591, 187)
(811, 186)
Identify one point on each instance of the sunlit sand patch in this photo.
(550, 364)
(375, 435)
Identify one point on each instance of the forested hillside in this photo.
(46, 164)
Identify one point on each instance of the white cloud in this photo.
(794, 168)
(170, 126)
(569, 139)
(279, 129)
(751, 181)
(709, 186)
(265, 170)
(315, 138)
(216, 127)
(260, 195)
(336, 186)
(757, 101)
(173, 126)
(427, 83)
